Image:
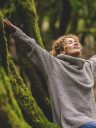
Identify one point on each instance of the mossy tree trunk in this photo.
(26, 13)
(10, 113)
(31, 111)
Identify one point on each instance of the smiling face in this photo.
(72, 47)
(68, 44)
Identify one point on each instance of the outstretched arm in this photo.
(37, 55)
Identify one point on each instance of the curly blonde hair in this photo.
(58, 45)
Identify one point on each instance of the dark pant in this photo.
(90, 125)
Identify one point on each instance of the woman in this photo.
(70, 79)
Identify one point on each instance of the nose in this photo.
(75, 43)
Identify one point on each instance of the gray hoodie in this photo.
(70, 83)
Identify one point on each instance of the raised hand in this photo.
(10, 25)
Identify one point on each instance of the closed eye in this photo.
(70, 42)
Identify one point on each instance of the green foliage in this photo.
(86, 10)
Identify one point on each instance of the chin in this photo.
(76, 53)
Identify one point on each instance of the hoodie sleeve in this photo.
(39, 56)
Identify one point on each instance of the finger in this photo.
(9, 24)
(5, 22)
(8, 21)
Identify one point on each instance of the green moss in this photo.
(26, 12)
(10, 95)
(3, 45)
(36, 84)
(10, 114)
